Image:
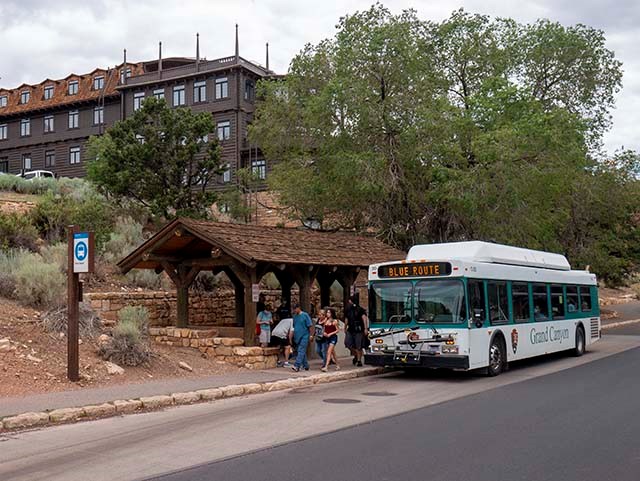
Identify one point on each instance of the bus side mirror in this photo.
(478, 317)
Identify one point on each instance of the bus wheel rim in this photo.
(495, 357)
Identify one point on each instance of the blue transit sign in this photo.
(81, 252)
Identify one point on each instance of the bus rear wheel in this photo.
(580, 342)
(497, 357)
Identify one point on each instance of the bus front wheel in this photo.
(497, 357)
(580, 342)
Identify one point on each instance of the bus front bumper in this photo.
(425, 360)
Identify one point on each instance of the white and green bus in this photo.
(472, 305)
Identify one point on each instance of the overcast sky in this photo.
(42, 39)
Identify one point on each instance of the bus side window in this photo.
(498, 303)
(540, 303)
(585, 299)
(557, 302)
(520, 298)
(572, 299)
(476, 300)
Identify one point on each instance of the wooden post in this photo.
(182, 276)
(73, 283)
(286, 282)
(325, 280)
(304, 276)
(182, 311)
(250, 313)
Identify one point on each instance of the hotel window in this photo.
(48, 92)
(200, 91)
(138, 98)
(73, 87)
(74, 155)
(98, 115)
(3, 132)
(222, 88)
(98, 82)
(26, 161)
(226, 175)
(178, 96)
(224, 130)
(48, 124)
(49, 158)
(259, 168)
(4, 165)
(25, 96)
(159, 94)
(122, 75)
(25, 127)
(249, 90)
(3, 101)
(74, 119)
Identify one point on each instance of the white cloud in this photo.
(41, 39)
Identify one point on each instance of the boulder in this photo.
(100, 410)
(66, 414)
(185, 397)
(25, 420)
(210, 394)
(155, 402)
(113, 369)
(5, 345)
(232, 390)
(127, 406)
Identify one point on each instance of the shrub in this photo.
(126, 236)
(38, 283)
(56, 254)
(56, 320)
(83, 207)
(128, 345)
(8, 265)
(12, 183)
(16, 231)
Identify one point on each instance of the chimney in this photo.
(267, 64)
(124, 68)
(159, 60)
(237, 45)
(197, 52)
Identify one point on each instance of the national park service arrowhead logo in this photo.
(514, 340)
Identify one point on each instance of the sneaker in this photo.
(354, 361)
(323, 369)
(359, 364)
(295, 369)
(286, 364)
(337, 367)
(306, 368)
(280, 364)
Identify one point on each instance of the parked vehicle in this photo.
(37, 174)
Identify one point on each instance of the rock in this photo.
(25, 420)
(113, 369)
(154, 402)
(242, 351)
(65, 415)
(127, 406)
(232, 341)
(103, 340)
(33, 358)
(185, 366)
(253, 388)
(210, 394)
(100, 410)
(185, 397)
(232, 390)
(5, 345)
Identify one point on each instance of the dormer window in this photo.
(123, 76)
(98, 82)
(73, 87)
(25, 96)
(3, 101)
(48, 92)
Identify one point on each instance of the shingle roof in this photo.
(276, 245)
(60, 97)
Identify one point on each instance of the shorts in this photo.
(279, 342)
(265, 336)
(332, 339)
(354, 340)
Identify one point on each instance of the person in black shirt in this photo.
(356, 328)
(283, 311)
(260, 304)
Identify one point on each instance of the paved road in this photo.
(562, 426)
(626, 311)
(432, 426)
(628, 330)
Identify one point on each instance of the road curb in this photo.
(618, 324)
(153, 403)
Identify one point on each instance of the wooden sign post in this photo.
(80, 250)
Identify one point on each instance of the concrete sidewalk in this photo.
(83, 397)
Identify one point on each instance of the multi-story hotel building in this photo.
(46, 126)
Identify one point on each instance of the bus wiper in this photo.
(390, 332)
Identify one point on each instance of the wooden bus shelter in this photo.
(184, 247)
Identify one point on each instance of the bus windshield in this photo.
(427, 301)
(390, 302)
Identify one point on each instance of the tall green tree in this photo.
(471, 128)
(163, 158)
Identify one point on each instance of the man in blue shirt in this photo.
(302, 332)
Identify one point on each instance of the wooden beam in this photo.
(250, 313)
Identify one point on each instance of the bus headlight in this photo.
(450, 349)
